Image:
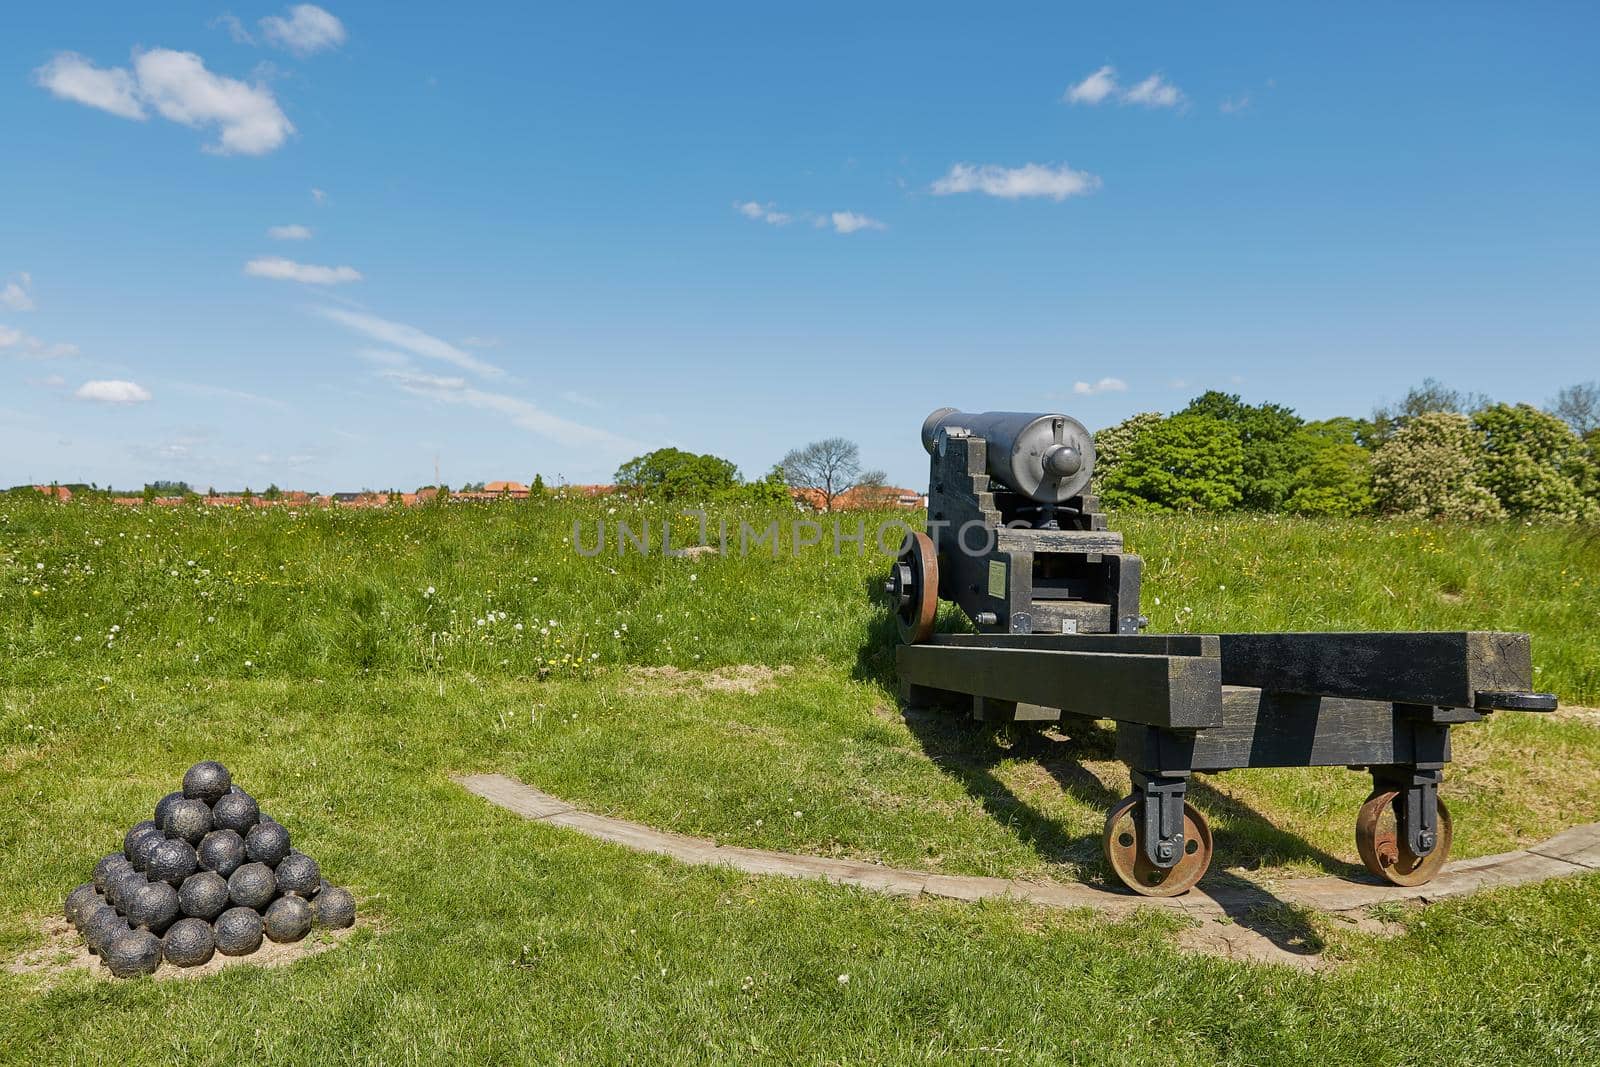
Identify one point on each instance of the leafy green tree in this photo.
(673, 474)
(769, 491)
(1184, 463)
(537, 488)
(1433, 468)
(1533, 463)
(1335, 480)
(1268, 435)
(1111, 444)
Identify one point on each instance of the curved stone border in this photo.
(1573, 851)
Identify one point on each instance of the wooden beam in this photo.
(1443, 669)
(1148, 644)
(1178, 692)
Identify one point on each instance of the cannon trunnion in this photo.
(1016, 542)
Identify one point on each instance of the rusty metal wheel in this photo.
(1383, 849)
(913, 588)
(1127, 858)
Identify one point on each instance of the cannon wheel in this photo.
(1384, 851)
(913, 588)
(1126, 856)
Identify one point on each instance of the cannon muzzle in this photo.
(1045, 457)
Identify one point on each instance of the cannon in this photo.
(1018, 543)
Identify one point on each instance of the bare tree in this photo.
(1579, 405)
(828, 468)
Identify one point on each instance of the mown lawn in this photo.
(343, 693)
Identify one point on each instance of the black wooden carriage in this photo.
(1016, 542)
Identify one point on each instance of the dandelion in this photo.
(518, 627)
(694, 577)
(428, 591)
(844, 979)
(247, 663)
(115, 628)
(38, 566)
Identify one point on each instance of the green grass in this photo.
(497, 939)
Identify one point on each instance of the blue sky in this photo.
(544, 239)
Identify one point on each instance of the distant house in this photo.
(861, 497)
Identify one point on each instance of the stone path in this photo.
(1220, 899)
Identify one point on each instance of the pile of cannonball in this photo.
(210, 873)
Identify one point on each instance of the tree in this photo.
(1533, 463)
(770, 491)
(1184, 463)
(673, 474)
(1111, 444)
(1267, 434)
(1431, 397)
(1336, 480)
(1579, 406)
(537, 488)
(272, 492)
(1432, 468)
(828, 468)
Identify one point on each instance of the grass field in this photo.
(344, 664)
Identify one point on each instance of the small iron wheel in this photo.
(1383, 849)
(1127, 858)
(913, 588)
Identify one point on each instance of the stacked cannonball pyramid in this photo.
(211, 872)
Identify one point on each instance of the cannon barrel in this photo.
(1045, 457)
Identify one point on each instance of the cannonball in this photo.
(335, 908)
(143, 849)
(207, 781)
(221, 851)
(267, 842)
(80, 900)
(189, 943)
(298, 874)
(133, 953)
(163, 804)
(139, 831)
(189, 819)
(288, 919)
(235, 811)
(237, 931)
(252, 886)
(324, 884)
(203, 894)
(107, 866)
(153, 906)
(122, 884)
(100, 925)
(171, 861)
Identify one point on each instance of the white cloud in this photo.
(178, 85)
(767, 213)
(308, 29)
(1095, 88)
(523, 413)
(572, 396)
(113, 391)
(1012, 183)
(1154, 91)
(235, 29)
(16, 295)
(1104, 385)
(30, 347)
(1234, 104)
(410, 339)
(292, 232)
(288, 270)
(72, 77)
(319, 196)
(850, 222)
(481, 342)
(218, 392)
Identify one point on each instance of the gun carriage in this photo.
(1016, 541)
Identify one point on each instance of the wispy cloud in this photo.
(319, 196)
(410, 339)
(1054, 181)
(850, 222)
(29, 347)
(220, 392)
(1104, 385)
(572, 396)
(17, 295)
(113, 391)
(1154, 91)
(177, 86)
(767, 213)
(520, 412)
(288, 270)
(1234, 104)
(481, 342)
(292, 232)
(307, 29)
